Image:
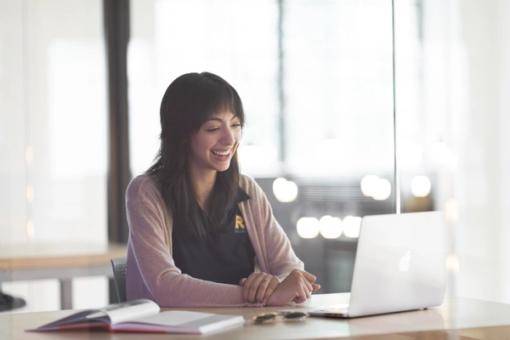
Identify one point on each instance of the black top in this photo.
(224, 256)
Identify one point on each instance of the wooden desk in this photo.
(61, 261)
(468, 319)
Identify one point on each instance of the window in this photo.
(53, 133)
(234, 39)
(339, 110)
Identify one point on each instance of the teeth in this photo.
(221, 153)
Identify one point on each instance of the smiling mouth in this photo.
(221, 153)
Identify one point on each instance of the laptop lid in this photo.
(400, 264)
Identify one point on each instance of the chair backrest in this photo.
(119, 276)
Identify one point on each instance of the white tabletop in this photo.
(473, 318)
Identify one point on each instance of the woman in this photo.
(201, 234)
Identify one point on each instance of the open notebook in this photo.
(144, 316)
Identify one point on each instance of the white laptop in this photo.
(399, 266)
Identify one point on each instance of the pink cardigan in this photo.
(151, 271)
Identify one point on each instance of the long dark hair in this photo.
(188, 102)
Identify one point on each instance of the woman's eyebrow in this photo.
(215, 119)
(221, 120)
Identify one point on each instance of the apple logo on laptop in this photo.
(405, 262)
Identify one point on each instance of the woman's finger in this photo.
(298, 300)
(301, 289)
(262, 288)
(303, 293)
(273, 283)
(247, 285)
(254, 285)
(308, 285)
(310, 277)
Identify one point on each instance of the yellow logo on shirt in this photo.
(239, 226)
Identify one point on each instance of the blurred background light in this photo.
(351, 226)
(330, 227)
(451, 211)
(368, 184)
(420, 186)
(376, 187)
(382, 190)
(308, 227)
(452, 263)
(285, 190)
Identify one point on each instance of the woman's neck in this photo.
(203, 183)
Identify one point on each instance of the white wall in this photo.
(464, 81)
(503, 130)
(481, 140)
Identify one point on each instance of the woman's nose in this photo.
(228, 137)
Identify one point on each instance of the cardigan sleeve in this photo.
(279, 255)
(151, 246)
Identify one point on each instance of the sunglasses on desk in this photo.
(266, 318)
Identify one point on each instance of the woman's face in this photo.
(216, 141)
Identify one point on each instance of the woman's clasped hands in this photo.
(265, 288)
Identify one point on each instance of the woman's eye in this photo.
(236, 125)
(212, 129)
